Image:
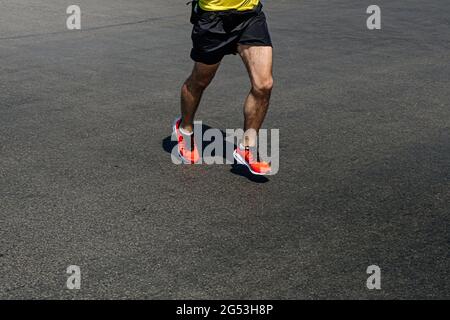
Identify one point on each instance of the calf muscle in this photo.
(192, 91)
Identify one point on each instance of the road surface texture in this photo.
(86, 176)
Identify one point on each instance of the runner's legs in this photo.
(258, 61)
(192, 90)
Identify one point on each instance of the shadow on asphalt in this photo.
(168, 144)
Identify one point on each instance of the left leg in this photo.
(258, 61)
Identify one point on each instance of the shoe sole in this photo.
(240, 160)
(183, 159)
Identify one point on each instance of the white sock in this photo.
(184, 132)
(241, 146)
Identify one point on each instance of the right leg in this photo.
(192, 90)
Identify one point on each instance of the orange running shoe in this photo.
(187, 149)
(247, 158)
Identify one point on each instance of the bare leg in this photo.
(258, 61)
(192, 90)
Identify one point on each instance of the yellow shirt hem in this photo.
(237, 7)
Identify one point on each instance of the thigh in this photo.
(210, 42)
(256, 31)
(258, 60)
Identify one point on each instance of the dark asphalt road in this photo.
(364, 175)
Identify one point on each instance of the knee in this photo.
(263, 87)
(198, 82)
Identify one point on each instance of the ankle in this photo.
(186, 128)
(244, 146)
(248, 143)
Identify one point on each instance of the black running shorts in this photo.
(218, 33)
